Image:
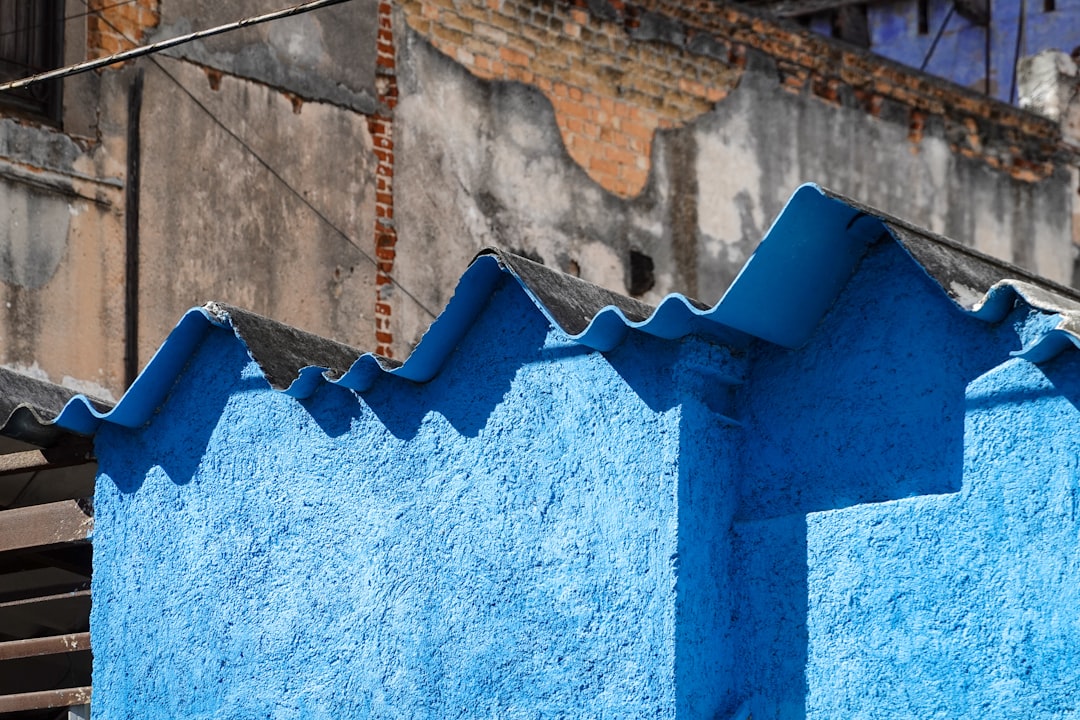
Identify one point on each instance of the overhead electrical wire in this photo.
(152, 48)
(269, 168)
(296, 193)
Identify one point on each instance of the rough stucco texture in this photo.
(417, 552)
(902, 544)
(961, 605)
(879, 524)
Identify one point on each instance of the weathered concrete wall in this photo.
(214, 222)
(61, 261)
(414, 551)
(217, 224)
(763, 140)
(643, 146)
(510, 168)
(328, 56)
(61, 232)
(483, 164)
(525, 149)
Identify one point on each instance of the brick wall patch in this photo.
(110, 25)
(610, 91)
(381, 127)
(616, 72)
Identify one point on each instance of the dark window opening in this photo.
(31, 41)
(851, 24)
(642, 278)
(924, 17)
(1049, 6)
(975, 11)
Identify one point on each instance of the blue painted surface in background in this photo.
(881, 523)
(961, 52)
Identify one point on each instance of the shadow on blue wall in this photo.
(219, 367)
(872, 409)
(1063, 372)
(476, 379)
(640, 360)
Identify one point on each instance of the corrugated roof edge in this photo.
(783, 291)
(28, 407)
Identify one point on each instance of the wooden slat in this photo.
(52, 645)
(65, 697)
(30, 593)
(48, 524)
(39, 599)
(26, 461)
(33, 460)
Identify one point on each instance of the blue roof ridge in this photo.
(781, 294)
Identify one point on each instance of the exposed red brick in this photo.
(112, 28)
(577, 61)
(381, 127)
(213, 77)
(513, 57)
(568, 53)
(916, 125)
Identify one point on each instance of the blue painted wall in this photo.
(854, 467)
(503, 542)
(882, 523)
(965, 604)
(960, 55)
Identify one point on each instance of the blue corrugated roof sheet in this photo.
(782, 293)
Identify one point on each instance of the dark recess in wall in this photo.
(642, 278)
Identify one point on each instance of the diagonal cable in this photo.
(277, 176)
(1021, 21)
(937, 38)
(141, 50)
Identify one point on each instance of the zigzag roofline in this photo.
(782, 293)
